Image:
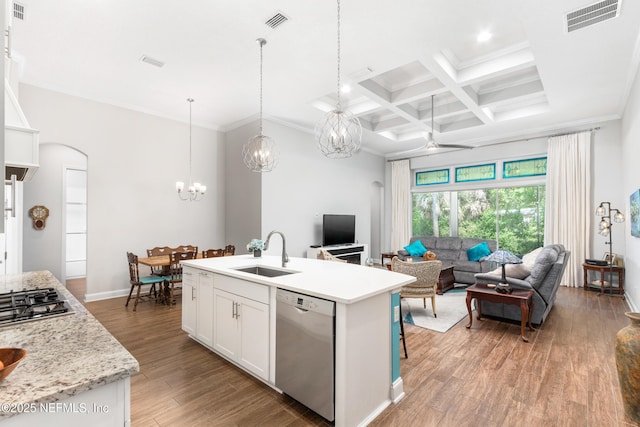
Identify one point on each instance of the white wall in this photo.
(630, 135)
(306, 185)
(243, 192)
(42, 249)
(303, 186)
(134, 160)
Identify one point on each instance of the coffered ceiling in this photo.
(533, 76)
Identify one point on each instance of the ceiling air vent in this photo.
(276, 20)
(592, 14)
(151, 61)
(18, 11)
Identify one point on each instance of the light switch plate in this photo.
(396, 314)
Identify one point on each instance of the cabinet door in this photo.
(204, 320)
(189, 298)
(253, 353)
(225, 325)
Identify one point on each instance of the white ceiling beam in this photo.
(418, 91)
(511, 95)
(391, 123)
(497, 67)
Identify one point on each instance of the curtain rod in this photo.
(507, 142)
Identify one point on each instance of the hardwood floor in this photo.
(486, 376)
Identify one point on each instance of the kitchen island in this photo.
(233, 313)
(75, 373)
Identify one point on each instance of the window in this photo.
(513, 216)
(431, 214)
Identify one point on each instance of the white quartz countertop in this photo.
(67, 355)
(341, 282)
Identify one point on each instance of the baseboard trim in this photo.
(98, 296)
(397, 390)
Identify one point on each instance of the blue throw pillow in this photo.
(416, 248)
(481, 250)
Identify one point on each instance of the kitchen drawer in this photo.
(243, 288)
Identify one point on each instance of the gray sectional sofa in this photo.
(544, 279)
(453, 250)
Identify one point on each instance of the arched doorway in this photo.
(60, 184)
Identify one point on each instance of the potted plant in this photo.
(256, 246)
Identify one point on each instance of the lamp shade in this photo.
(502, 256)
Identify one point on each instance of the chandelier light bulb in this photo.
(600, 210)
(195, 190)
(618, 217)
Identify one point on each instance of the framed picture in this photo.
(610, 260)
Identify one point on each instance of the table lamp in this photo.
(503, 257)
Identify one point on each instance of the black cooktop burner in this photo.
(26, 305)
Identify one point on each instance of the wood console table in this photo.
(612, 269)
(521, 297)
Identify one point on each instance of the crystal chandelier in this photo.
(195, 191)
(339, 134)
(260, 153)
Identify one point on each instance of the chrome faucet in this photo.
(285, 257)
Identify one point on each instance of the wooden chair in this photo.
(426, 273)
(174, 279)
(186, 248)
(159, 251)
(212, 253)
(137, 281)
(229, 250)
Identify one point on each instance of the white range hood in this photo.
(20, 140)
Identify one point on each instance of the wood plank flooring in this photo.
(486, 376)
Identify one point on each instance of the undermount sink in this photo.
(264, 271)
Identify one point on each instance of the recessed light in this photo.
(484, 36)
(345, 89)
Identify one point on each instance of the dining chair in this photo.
(186, 248)
(174, 279)
(230, 250)
(159, 251)
(212, 253)
(426, 273)
(137, 281)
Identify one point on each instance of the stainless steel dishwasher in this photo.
(305, 342)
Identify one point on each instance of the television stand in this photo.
(354, 253)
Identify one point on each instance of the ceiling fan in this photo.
(431, 142)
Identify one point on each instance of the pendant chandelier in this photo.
(195, 191)
(260, 153)
(339, 134)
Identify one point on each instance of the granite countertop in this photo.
(336, 281)
(67, 355)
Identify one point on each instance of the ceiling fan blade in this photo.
(466, 147)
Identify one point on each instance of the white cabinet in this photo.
(189, 306)
(197, 304)
(241, 324)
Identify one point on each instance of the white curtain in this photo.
(400, 204)
(569, 209)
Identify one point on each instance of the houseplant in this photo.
(256, 246)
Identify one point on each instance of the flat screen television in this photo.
(338, 229)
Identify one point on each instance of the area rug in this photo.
(451, 307)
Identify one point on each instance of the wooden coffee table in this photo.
(446, 280)
(521, 297)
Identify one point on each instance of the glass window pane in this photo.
(520, 218)
(76, 269)
(431, 214)
(476, 173)
(477, 214)
(440, 176)
(76, 186)
(76, 247)
(76, 218)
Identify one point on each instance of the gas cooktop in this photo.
(28, 305)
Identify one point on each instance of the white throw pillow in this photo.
(516, 271)
(529, 259)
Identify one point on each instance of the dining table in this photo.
(161, 261)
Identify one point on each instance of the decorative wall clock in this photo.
(39, 216)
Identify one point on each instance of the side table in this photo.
(611, 269)
(521, 297)
(389, 256)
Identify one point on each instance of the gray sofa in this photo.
(453, 250)
(546, 275)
